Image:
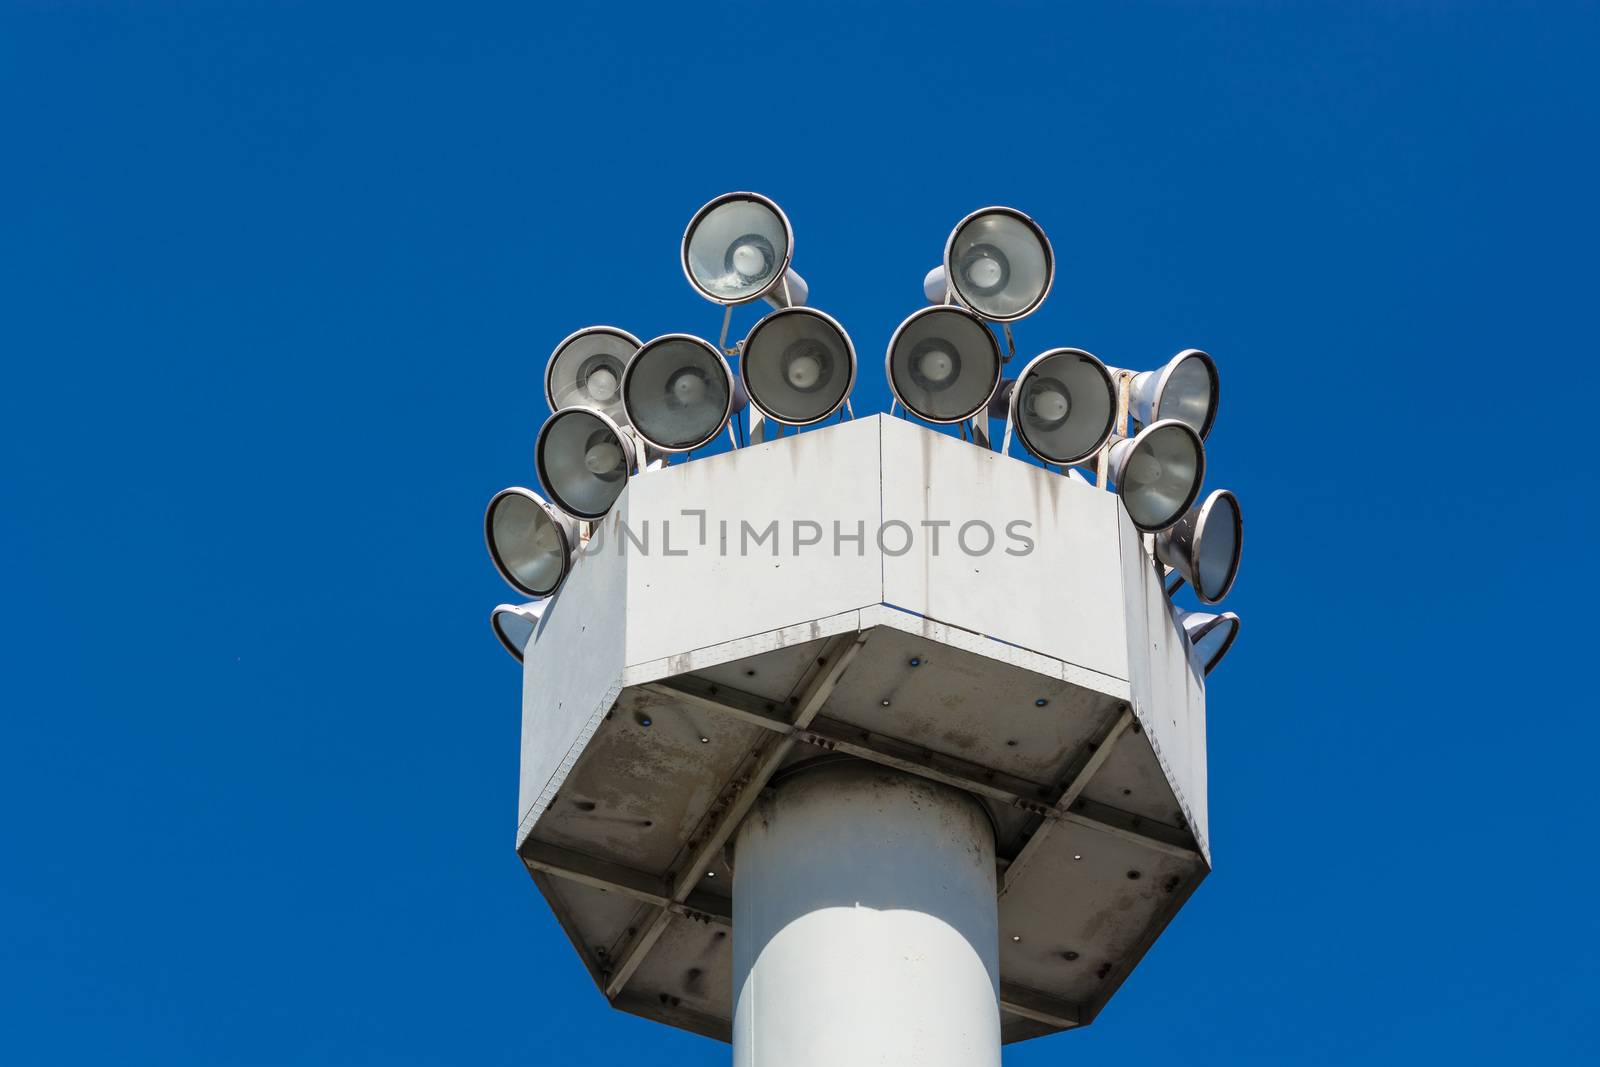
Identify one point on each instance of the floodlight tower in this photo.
(867, 745)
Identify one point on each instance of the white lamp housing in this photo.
(679, 392)
(1186, 389)
(943, 364)
(530, 542)
(798, 366)
(738, 248)
(999, 263)
(585, 370)
(583, 459)
(1205, 544)
(1063, 405)
(514, 625)
(1210, 636)
(1158, 473)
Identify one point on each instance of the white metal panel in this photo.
(571, 672)
(1061, 598)
(632, 794)
(719, 592)
(1168, 694)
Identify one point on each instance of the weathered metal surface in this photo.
(663, 692)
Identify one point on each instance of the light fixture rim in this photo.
(936, 309)
(721, 360)
(572, 410)
(1032, 224)
(1194, 490)
(1016, 394)
(849, 344)
(1208, 507)
(1164, 375)
(519, 610)
(777, 274)
(1205, 629)
(550, 364)
(554, 514)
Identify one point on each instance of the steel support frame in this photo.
(679, 895)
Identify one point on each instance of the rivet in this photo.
(916, 661)
(1077, 857)
(1015, 938)
(1041, 702)
(885, 703)
(705, 740)
(1133, 876)
(1069, 956)
(711, 874)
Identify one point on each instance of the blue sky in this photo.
(277, 282)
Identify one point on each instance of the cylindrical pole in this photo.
(865, 926)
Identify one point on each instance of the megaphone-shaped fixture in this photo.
(585, 371)
(999, 263)
(1186, 389)
(679, 392)
(514, 624)
(530, 542)
(583, 459)
(943, 364)
(738, 248)
(798, 366)
(1204, 545)
(1210, 636)
(1063, 405)
(1158, 472)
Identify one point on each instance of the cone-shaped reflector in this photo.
(999, 263)
(943, 364)
(530, 542)
(514, 624)
(1205, 545)
(798, 366)
(585, 371)
(583, 460)
(1063, 405)
(679, 392)
(1186, 389)
(1158, 473)
(1210, 636)
(737, 248)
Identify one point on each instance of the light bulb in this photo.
(1048, 404)
(603, 458)
(983, 272)
(986, 269)
(936, 364)
(1144, 467)
(806, 364)
(687, 388)
(602, 385)
(751, 257)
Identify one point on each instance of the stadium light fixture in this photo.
(998, 262)
(530, 542)
(1204, 546)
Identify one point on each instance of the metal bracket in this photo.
(718, 827)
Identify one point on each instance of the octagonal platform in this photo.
(689, 660)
